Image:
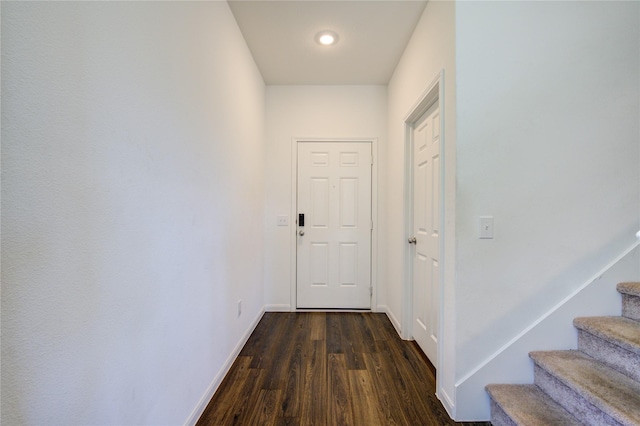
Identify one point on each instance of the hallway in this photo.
(327, 369)
(149, 203)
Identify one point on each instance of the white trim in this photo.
(428, 98)
(293, 240)
(433, 94)
(277, 308)
(374, 218)
(294, 213)
(447, 402)
(381, 308)
(556, 307)
(442, 359)
(394, 321)
(361, 311)
(217, 380)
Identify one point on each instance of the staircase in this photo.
(598, 384)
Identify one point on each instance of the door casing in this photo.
(294, 215)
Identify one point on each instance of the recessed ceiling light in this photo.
(327, 38)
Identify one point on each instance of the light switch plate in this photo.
(486, 227)
(283, 220)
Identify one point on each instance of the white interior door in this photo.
(334, 245)
(426, 232)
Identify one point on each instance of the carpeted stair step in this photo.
(594, 393)
(614, 341)
(630, 299)
(526, 405)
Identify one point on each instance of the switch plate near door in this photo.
(486, 227)
(283, 220)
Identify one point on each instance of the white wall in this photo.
(431, 49)
(132, 191)
(547, 142)
(322, 112)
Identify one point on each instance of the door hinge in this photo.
(371, 291)
(372, 160)
(372, 225)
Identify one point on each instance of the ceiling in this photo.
(372, 37)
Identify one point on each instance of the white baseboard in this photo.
(277, 308)
(447, 402)
(392, 318)
(204, 401)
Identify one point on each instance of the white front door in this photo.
(334, 245)
(426, 223)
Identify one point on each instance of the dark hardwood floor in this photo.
(327, 369)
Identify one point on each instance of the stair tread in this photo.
(605, 388)
(623, 332)
(529, 405)
(632, 288)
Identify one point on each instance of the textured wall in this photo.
(132, 207)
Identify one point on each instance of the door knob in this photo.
(301, 232)
(412, 240)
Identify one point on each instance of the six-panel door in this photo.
(426, 230)
(334, 246)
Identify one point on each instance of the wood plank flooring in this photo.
(321, 368)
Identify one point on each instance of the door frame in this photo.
(294, 216)
(432, 95)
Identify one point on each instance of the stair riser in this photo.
(499, 417)
(570, 400)
(609, 354)
(631, 307)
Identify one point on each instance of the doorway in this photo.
(334, 225)
(424, 225)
